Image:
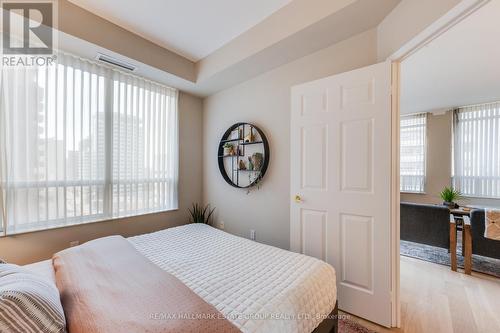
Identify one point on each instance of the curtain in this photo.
(145, 148)
(476, 150)
(82, 142)
(413, 148)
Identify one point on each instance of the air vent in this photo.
(116, 62)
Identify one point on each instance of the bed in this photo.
(244, 280)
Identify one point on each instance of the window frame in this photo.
(474, 125)
(107, 183)
(424, 116)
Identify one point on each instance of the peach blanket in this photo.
(106, 285)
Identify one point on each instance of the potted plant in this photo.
(228, 149)
(200, 214)
(449, 196)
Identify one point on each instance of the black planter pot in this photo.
(450, 205)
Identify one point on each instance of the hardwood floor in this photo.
(435, 299)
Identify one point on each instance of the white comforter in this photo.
(258, 287)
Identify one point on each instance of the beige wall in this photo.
(265, 101)
(439, 155)
(31, 247)
(438, 160)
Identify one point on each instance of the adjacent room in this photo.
(450, 136)
(449, 161)
(307, 166)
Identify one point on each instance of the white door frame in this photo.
(436, 29)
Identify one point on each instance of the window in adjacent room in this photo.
(476, 150)
(81, 142)
(412, 153)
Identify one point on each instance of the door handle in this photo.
(298, 199)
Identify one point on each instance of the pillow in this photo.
(29, 302)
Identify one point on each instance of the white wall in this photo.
(35, 246)
(265, 101)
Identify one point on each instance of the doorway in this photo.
(448, 106)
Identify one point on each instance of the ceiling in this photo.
(460, 67)
(298, 29)
(191, 28)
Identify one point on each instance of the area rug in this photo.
(441, 256)
(349, 326)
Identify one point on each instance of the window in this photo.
(476, 150)
(81, 142)
(412, 154)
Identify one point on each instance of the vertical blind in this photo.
(476, 151)
(413, 152)
(82, 142)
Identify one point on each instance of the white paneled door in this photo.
(341, 184)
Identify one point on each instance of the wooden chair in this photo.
(453, 243)
(467, 244)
